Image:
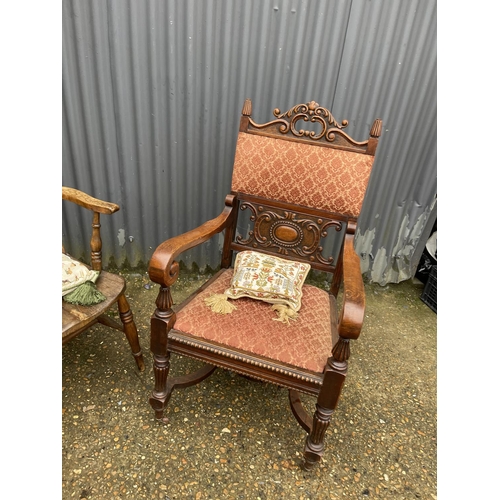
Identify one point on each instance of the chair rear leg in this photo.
(328, 398)
(130, 330)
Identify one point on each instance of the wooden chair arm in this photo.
(89, 202)
(162, 267)
(97, 207)
(353, 307)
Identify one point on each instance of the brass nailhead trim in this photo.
(245, 360)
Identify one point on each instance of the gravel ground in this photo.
(233, 438)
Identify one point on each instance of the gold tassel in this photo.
(285, 313)
(219, 303)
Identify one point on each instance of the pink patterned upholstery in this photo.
(273, 168)
(306, 342)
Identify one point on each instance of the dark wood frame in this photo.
(345, 271)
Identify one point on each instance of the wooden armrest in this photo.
(87, 201)
(97, 207)
(353, 307)
(162, 267)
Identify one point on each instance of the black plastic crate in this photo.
(429, 295)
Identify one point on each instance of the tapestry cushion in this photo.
(251, 327)
(268, 278)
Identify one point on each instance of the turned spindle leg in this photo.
(161, 323)
(130, 330)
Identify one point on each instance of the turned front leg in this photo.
(161, 323)
(328, 398)
(160, 396)
(315, 442)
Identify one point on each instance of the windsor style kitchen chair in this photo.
(256, 316)
(77, 318)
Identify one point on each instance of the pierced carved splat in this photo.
(331, 133)
(288, 232)
(288, 122)
(314, 113)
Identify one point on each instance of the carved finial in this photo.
(247, 108)
(312, 105)
(376, 129)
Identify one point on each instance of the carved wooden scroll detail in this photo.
(310, 112)
(314, 113)
(288, 233)
(331, 133)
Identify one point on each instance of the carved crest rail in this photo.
(287, 125)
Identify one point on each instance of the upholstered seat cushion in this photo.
(306, 343)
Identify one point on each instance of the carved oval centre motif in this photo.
(286, 234)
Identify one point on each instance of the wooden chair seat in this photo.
(303, 344)
(76, 318)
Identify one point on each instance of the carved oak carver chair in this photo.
(76, 317)
(298, 186)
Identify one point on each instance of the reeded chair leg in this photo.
(315, 442)
(130, 330)
(162, 391)
(328, 398)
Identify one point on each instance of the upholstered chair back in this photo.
(299, 191)
(325, 178)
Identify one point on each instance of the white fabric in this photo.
(74, 273)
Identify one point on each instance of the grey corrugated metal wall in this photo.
(153, 90)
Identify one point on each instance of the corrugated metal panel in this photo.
(152, 94)
(389, 71)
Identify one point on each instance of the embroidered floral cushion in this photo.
(268, 278)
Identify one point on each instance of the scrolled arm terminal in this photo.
(162, 267)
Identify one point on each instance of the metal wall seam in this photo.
(152, 94)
